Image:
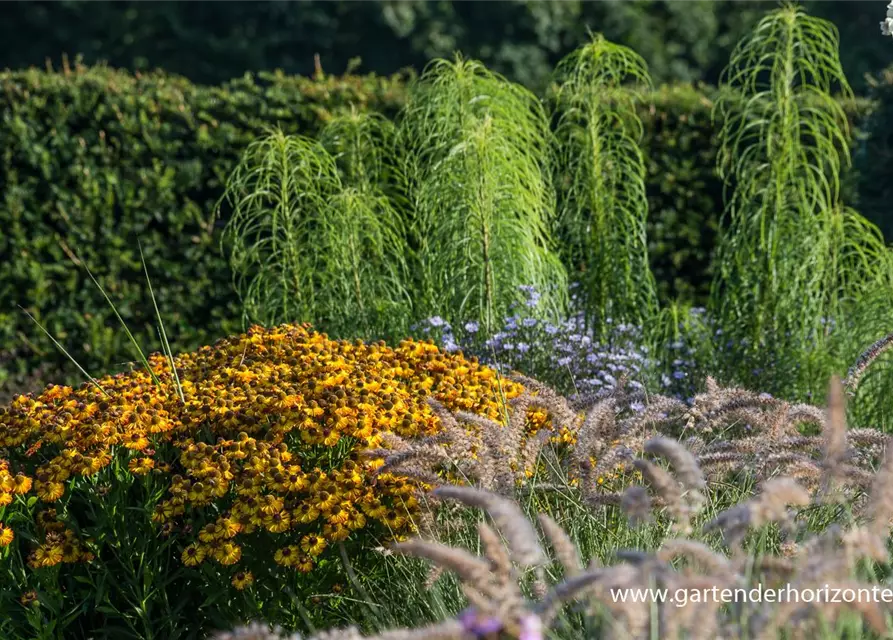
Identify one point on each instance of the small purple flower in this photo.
(679, 375)
(529, 322)
(523, 347)
(563, 362)
(478, 626)
(472, 327)
(551, 329)
(436, 321)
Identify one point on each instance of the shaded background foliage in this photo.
(522, 39)
(95, 159)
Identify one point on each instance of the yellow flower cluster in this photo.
(269, 437)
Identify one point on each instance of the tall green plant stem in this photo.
(478, 175)
(602, 172)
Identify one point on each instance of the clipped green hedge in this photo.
(95, 160)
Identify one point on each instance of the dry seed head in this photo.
(495, 552)
(561, 412)
(834, 434)
(508, 517)
(468, 567)
(662, 483)
(683, 462)
(565, 550)
(255, 631)
(880, 505)
(713, 562)
(446, 630)
(636, 505)
(872, 353)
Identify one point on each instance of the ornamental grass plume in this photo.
(770, 506)
(503, 603)
(866, 358)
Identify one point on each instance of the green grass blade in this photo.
(133, 341)
(165, 345)
(68, 355)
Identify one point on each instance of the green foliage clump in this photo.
(307, 245)
(685, 191)
(602, 176)
(792, 259)
(94, 160)
(477, 175)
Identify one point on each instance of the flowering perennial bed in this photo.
(266, 441)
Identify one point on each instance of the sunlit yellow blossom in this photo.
(140, 466)
(278, 522)
(335, 532)
(313, 545)
(47, 556)
(306, 513)
(7, 483)
(304, 564)
(210, 533)
(136, 441)
(286, 556)
(49, 491)
(193, 555)
(339, 514)
(242, 579)
(70, 552)
(251, 405)
(6, 535)
(394, 519)
(228, 553)
(271, 505)
(229, 527)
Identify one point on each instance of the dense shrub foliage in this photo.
(522, 39)
(257, 476)
(874, 156)
(94, 160)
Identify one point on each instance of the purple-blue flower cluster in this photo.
(565, 354)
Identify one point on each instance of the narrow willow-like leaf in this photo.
(477, 171)
(601, 168)
(59, 346)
